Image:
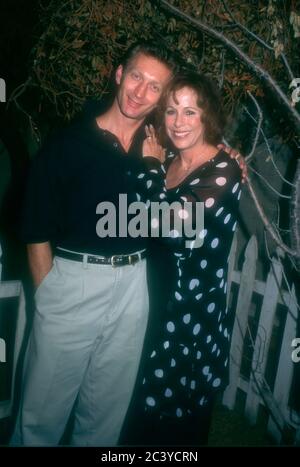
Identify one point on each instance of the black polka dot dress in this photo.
(188, 362)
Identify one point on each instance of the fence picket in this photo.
(262, 341)
(240, 324)
(285, 367)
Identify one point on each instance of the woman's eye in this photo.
(190, 112)
(135, 75)
(170, 112)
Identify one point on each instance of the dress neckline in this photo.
(196, 169)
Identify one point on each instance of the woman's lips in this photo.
(180, 134)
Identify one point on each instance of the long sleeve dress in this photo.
(187, 362)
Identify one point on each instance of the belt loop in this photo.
(85, 261)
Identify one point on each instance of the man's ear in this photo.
(119, 74)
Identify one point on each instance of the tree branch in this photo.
(257, 69)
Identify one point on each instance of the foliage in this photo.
(84, 39)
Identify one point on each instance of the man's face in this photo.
(141, 85)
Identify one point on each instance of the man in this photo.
(91, 296)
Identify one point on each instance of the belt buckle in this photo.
(112, 260)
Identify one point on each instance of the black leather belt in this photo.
(115, 260)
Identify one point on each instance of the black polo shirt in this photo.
(72, 174)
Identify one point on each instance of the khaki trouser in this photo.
(85, 346)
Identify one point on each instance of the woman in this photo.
(187, 362)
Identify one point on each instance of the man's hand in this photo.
(234, 154)
(40, 261)
(151, 147)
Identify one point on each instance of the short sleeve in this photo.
(40, 216)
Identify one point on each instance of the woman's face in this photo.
(183, 119)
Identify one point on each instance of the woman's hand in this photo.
(151, 147)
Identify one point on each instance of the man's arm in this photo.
(40, 260)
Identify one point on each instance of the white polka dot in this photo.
(220, 273)
(162, 195)
(221, 181)
(218, 352)
(202, 401)
(220, 328)
(138, 197)
(233, 227)
(208, 339)
(183, 198)
(195, 181)
(209, 376)
(214, 243)
(239, 194)
(199, 296)
(170, 326)
(196, 329)
(235, 187)
(214, 348)
(154, 171)
(209, 202)
(203, 233)
(183, 214)
(227, 218)
(225, 288)
(219, 211)
(222, 165)
(194, 283)
(221, 283)
(226, 362)
(212, 289)
(148, 202)
(203, 264)
(198, 356)
(141, 175)
(159, 373)
(225, 332)
(193, 384)
(149, 183)
(185, 351)
(173, 362)
(216, 382)
(166, 344)
(154, 223)
(187, 318)
(178, 296)
(168, 392)
(153, 354)
(178, 412)
(174, 233)
(179, 272)
(150, 401)
(205, 370)
(211, 307)
(183, 380)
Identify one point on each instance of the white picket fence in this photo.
(282, 417)
(11, 289)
